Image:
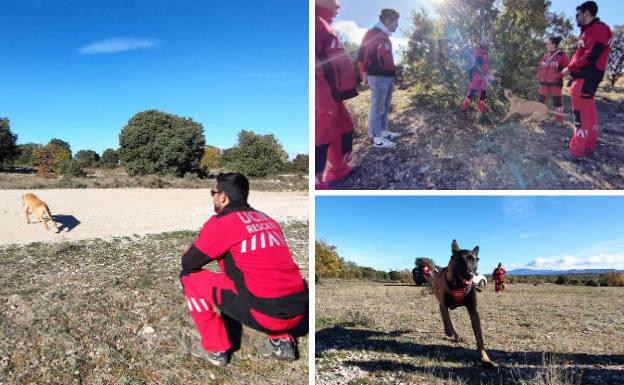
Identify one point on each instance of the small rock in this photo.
(147, 330)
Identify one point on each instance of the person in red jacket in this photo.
(376, 65)
(587, 69)
(499, 276)
(259, 285)
(479, 76)
(333, 124)
(549, 74)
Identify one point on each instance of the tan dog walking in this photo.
(536, 111)
(32, 204)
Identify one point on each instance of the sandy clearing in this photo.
(105, 213)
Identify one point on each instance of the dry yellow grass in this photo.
(374, 333)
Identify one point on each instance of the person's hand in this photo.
(364, 78)
(565, 72)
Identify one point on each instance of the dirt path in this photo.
(104, 213)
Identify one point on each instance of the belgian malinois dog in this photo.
(453, 288)
(32, 204)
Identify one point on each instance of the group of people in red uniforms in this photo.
(337, 81)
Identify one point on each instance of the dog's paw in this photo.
(488, 364)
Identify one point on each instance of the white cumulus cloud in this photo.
(568, 262)
(117, 44)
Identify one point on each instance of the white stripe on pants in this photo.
(381, 100)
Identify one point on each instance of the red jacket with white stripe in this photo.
(550, 67)
(375, 54)
(251, 250)
(592, 53)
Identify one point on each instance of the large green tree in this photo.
(156, 142)
(110, 158)
(8, 144)
(87, 158)
(26, 154)
(256, 155)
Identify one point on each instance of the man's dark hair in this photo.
(234, 185)
(387, 13)
(556, 40)
(590, 6)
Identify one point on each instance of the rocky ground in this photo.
(112, 312)
(448, 149)
(381, 333)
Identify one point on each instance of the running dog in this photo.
(453, 288)
(32, 204)
(536, 111)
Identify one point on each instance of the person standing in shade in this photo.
(549, 74)
(376, 64)
(587, 69)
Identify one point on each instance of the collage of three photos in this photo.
(189, 198)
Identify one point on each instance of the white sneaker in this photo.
(383, 142)
(390, 134)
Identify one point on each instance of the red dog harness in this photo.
(460, 294)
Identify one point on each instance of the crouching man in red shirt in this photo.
(259, 285)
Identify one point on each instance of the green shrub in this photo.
(156, 142)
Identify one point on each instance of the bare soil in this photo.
(447, 149)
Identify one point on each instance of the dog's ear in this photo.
(454, 247)
(475, 251)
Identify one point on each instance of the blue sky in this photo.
(78, 70)
(354, 19)
(519, 231)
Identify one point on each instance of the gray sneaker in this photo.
(281, 349)
(216, 358)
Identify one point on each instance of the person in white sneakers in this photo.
(376, 65)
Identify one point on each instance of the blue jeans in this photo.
(381, 100)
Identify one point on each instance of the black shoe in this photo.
(280, 348)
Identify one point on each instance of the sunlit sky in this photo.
(78, 70)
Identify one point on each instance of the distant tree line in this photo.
(154, 142)
(613, 278)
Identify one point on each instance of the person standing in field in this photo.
(479, 75)
(335, 83)
(550, 76)
(587, 69)
(259, 285)
(376, 64)
(499, 276)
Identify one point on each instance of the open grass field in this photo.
(374, 333)
(112, 312)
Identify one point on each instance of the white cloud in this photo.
(350, 31)
(568, 262)
(519, 207)
(117, 44)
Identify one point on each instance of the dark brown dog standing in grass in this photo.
(32, 204)
(453, 288)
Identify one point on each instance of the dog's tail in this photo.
(47, 211)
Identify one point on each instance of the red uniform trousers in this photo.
(204, 291)
(585, 119)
